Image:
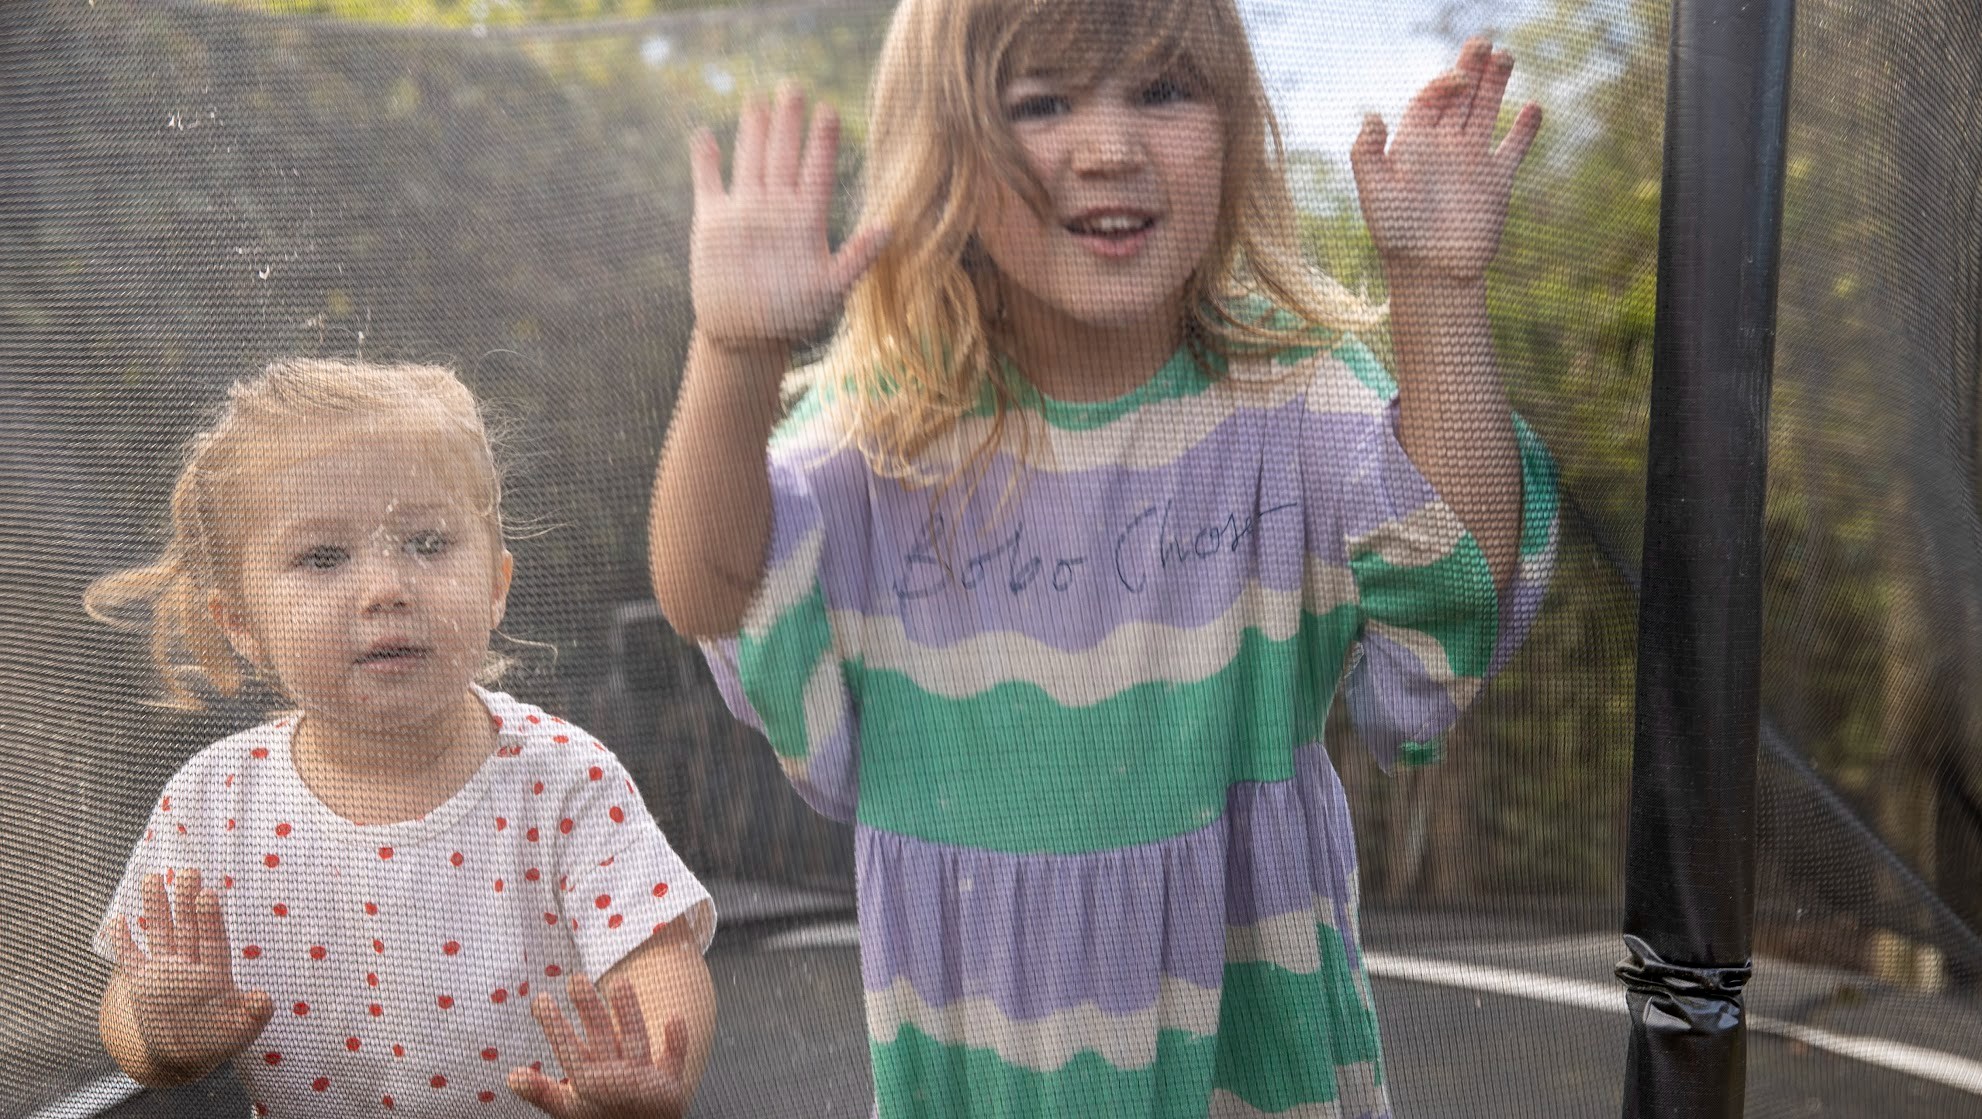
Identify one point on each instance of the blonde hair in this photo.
(915, 349)
(292, 406)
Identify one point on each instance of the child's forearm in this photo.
(671, 980)
(710, 524)
(1454, 420)
(117, 1025)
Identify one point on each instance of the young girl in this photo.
(1054, 571)
(365, 903)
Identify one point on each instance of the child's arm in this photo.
(647, 1031)
(1435, 203)
(173, 1014)
(763, 275)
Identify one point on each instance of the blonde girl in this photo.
(367, 904)
(1048, 581)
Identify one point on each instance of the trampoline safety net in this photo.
(191, 191)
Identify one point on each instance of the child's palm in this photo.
(610, 1073)
(183, 997)
(760, 262)
(1436, 200)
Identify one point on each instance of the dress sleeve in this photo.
(1433, 629)
(624, 879)
(784, 674)
(169, 845)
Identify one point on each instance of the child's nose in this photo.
(388, 585)
(1108, 142)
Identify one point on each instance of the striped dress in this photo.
(1105, 866)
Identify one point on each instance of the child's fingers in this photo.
(634, 1044)
(157, 918)
(1429, 106)
(676, 1041)
(856, 257)
(1366, 153)
(209, 927)
(569, 1050)
(747, 168)
(1474, 53)
(600, 1035)
(705, 165)
(542, 1093)
(124, 946)
(822, 149)
(1514, 146)
(1484, 112)
(251, 1010)
(185, 919)
(782, 146)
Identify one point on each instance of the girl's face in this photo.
(1131, 170)
(366, 585)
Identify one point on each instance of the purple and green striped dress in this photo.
(1105, 866)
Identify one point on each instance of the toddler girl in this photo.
(364, 903)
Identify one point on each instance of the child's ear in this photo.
(236, 628)
(499, 592)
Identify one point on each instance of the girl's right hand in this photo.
(759, 261)
(183, 999)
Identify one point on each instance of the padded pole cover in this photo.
(1690, 861)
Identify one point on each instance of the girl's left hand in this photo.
(612, 1072)
(1436, 200)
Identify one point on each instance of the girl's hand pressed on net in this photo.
(1436, 199)
(760, 264)
(186, 1007)
(613, 1071)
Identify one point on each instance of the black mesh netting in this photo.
(188, 190)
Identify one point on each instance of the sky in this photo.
(1327, 62)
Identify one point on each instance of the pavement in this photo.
(791, 1038)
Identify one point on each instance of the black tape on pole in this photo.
(1690, 861)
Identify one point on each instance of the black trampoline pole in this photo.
(1690, 855)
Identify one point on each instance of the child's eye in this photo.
(323, 557)
(427, 543)
(1165, 91)
(1036, 107)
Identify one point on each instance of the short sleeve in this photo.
(169, 845)
(1434, 629)
(625, 879)
(784, 673)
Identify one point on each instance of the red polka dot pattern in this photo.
(298, 916)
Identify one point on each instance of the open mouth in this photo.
(1111, 225)
(393, 653)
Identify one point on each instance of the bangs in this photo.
(1080, 42)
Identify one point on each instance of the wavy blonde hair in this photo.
(293, 408)
(915, 349)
